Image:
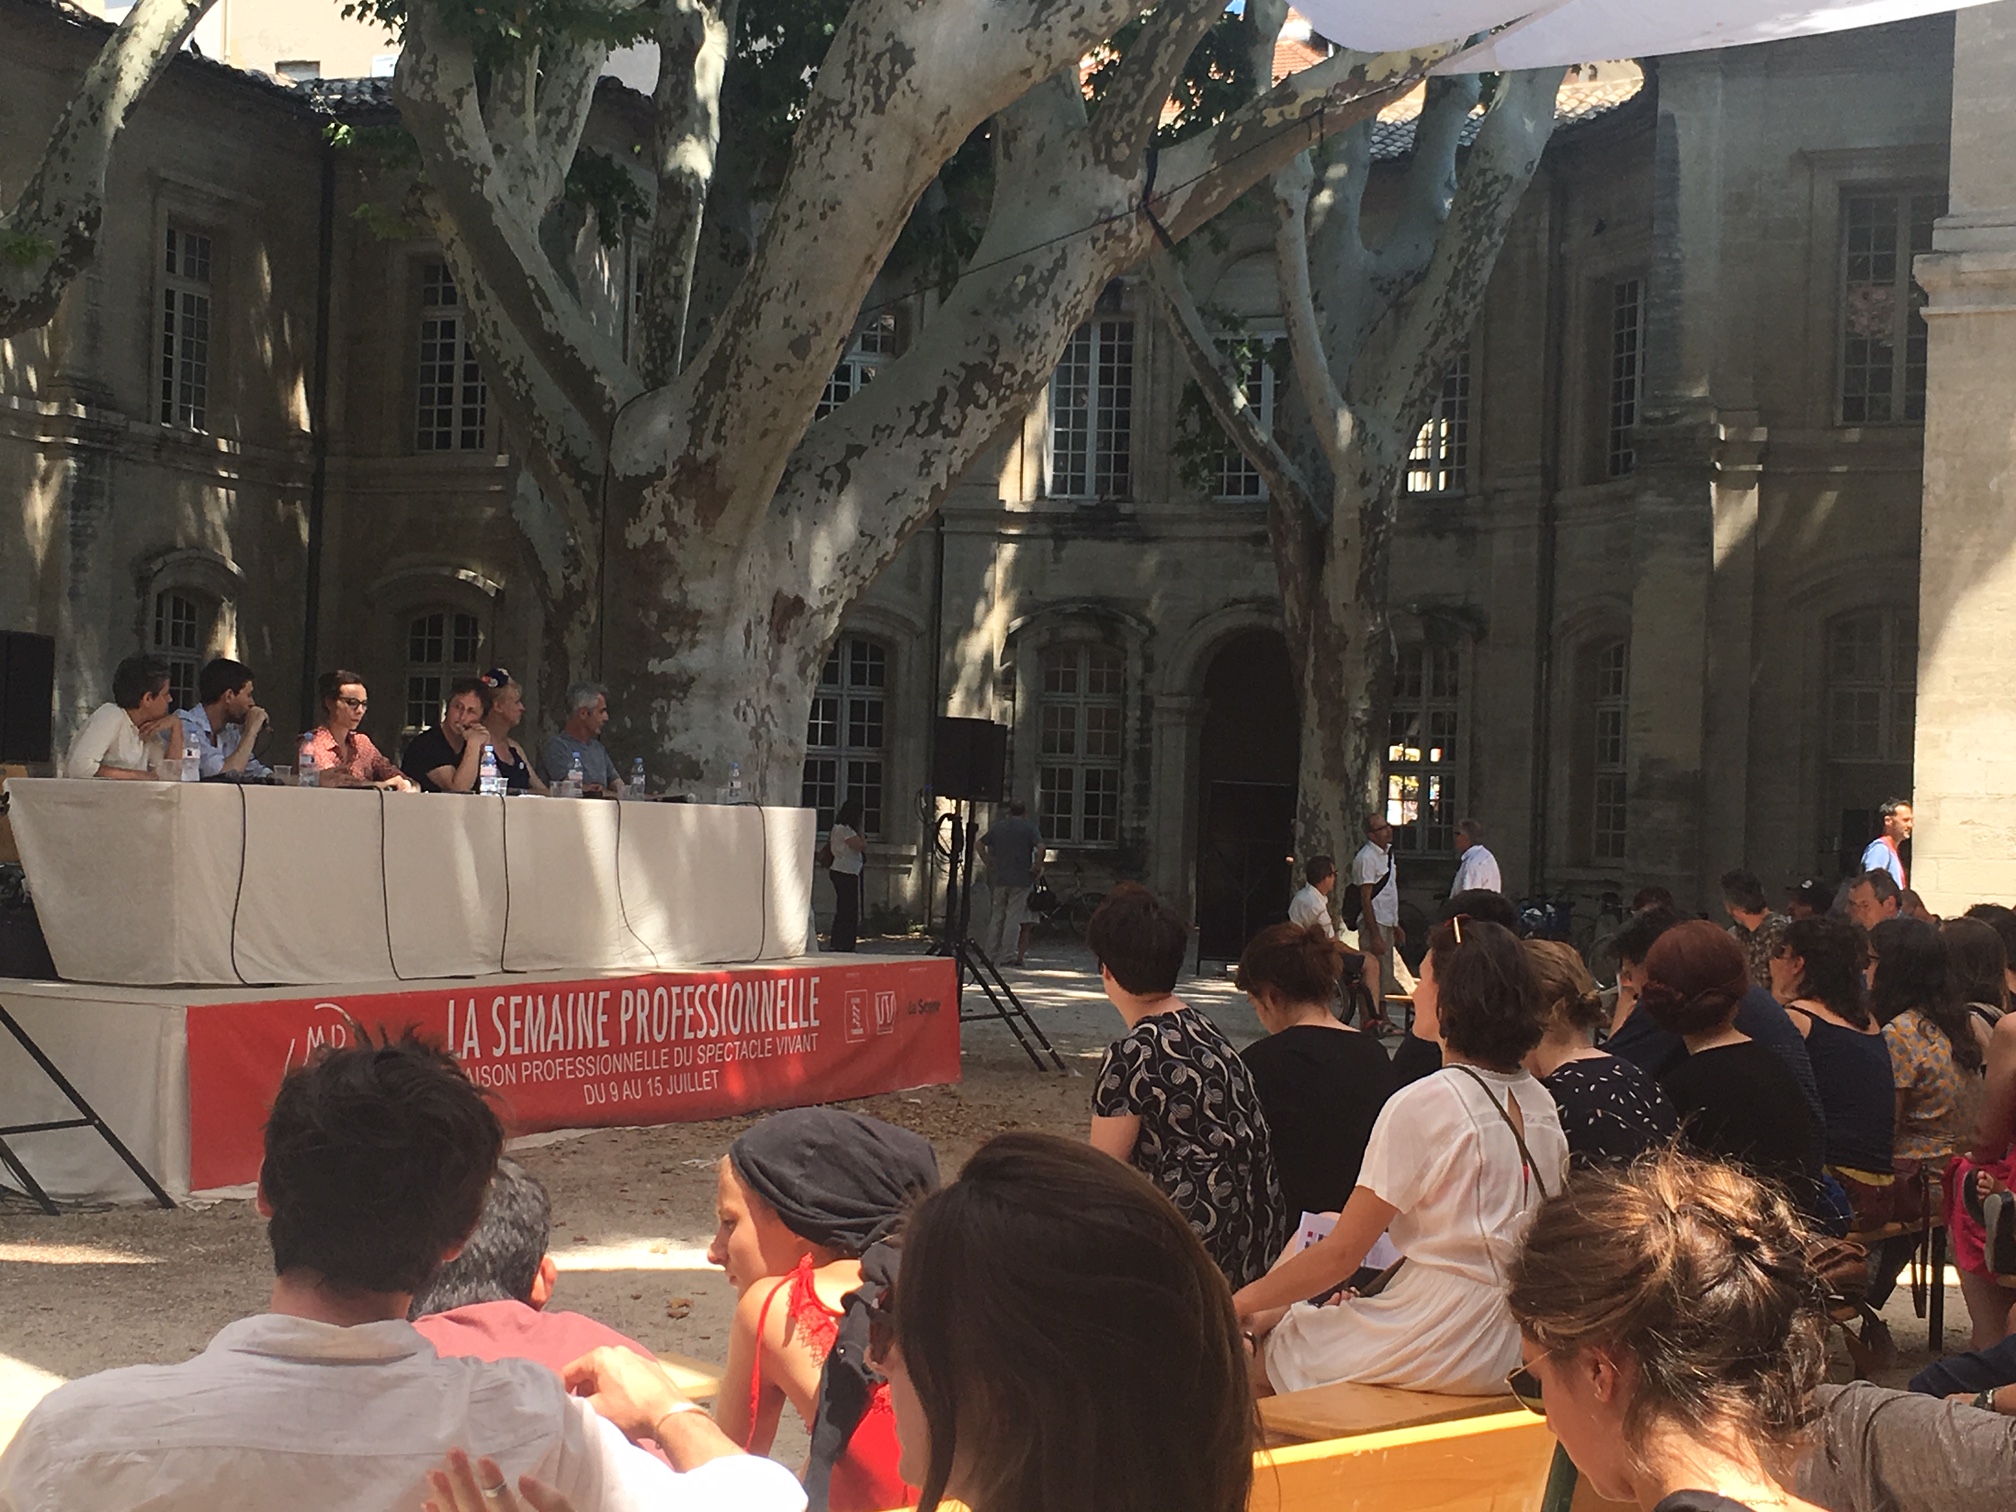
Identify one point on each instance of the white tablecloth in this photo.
(211, 883)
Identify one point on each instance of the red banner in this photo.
(669, 1047)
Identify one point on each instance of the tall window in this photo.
(1421, 754)
(1882, 307)
(856, 370)
(453, 400)
(1872, 686)
(180, 636)
(1440, 460)
(1091, 413)
(185, 331)
(440, 647)
(1608, 706)
(1627, 360)
(844, 741)
(1078, 766)
(1237, 477)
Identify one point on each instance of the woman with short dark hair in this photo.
(1457, 1164)
(1673, 1334)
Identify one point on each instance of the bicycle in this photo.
(1070, 907)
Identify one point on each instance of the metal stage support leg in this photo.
(971, 960)
(89, 1120)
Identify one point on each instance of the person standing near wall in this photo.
(849, 850)
(1014, 849)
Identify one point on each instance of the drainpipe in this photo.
(318, 428)
(1555, 381)
(927, 847)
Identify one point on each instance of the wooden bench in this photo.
(1496, 1463)
(1935, 1307)
(1346, 1410)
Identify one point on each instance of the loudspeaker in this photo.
(969, 759)
(27, 695)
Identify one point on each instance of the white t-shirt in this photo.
(846, 859)
(1477, 868)
(1309, 907)
(109, 738)
(1369, 865)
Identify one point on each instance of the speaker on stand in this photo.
(969, 764)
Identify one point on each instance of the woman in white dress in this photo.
(1457, 1165)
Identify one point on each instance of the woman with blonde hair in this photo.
(1673, 1334)
(1610, 1109)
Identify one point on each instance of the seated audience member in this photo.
(489, 1302)
(1735, 1098)
(126, 738)
(807, 1200)
(507, 708)
(1752, 924)
(1977, 971)
(1808, 900)
(226, 723)
(1173, 1099)
(2003, 921)
(1817, 975)
(1636, 1037)
(1456, 1167)
(1047, 1301)
(377, 1160)
(1673, 1334)
(1911, 906)
(1418, 1054)
(1987, 1164)
(1874, 1450)
(1321, 1083)
(1610, 1110)
(1646, 899)
(449, 757)
(1310, 908)
(1873, 897)
(344, 754)
(581, 737)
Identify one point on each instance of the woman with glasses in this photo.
(344, 754)
(1457, 1164)
(1673, 1334)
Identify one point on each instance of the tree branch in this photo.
(693, 40)
(1431, 176)
(1130, 108)
(1322, 397)
(51, 234)
(1293, 520)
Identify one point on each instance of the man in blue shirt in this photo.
(1883, 853)
(587, 713)
(226, 722)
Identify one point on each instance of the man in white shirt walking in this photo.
(1311, 906)
(1377, 879)
(1476, 867)
(377, 1161)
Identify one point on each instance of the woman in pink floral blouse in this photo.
(344, 754)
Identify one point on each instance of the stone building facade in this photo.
(1655, 595)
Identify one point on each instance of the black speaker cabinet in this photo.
(27, 695)
(969, 760)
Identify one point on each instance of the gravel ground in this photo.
(632, 1216)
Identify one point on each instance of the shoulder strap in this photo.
(1518, 1138)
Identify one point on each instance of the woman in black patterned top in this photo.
(1611, 1111)
(1174, 1100)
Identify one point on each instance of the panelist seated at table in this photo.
(507, 707)
(581, 736)
(128, 736)
(449, 757)
(225, 723)
(344, 755)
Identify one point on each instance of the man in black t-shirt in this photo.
(449, 757)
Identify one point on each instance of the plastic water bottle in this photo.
(636, 787)
(192, 762)
(309, 777)
(576, 778)
(488, 781)
(734, 782)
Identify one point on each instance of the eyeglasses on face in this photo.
(1525, 1388)
(359, 704)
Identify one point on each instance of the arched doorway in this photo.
(1246, 792)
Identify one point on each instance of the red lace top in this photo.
(865, 1477)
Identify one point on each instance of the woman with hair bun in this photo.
(1457, 1164)
(1673, 1333)
(1321, 1083)
(1736, 1099)
(1610, 1109)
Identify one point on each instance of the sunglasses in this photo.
(1525, 1388)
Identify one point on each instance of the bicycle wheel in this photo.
(1080, 910)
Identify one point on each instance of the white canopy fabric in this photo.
(1550, 32)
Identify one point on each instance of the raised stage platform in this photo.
(185, 1075)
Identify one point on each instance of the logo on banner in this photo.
(885, 1013)
(857, 1017)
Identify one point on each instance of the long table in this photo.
(147, 884)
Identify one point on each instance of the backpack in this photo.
(1352, 904)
